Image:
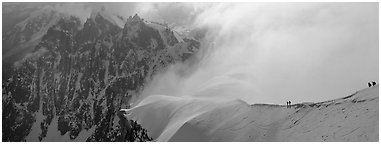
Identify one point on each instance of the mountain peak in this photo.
(134, 18)
(72, 63)
(104, 14)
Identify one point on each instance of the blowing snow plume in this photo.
(271, 53)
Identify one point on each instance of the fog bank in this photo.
(274, 52)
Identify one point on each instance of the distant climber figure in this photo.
(369, 84)
(287, 104)
(373, 83)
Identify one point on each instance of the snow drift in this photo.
(167, 118)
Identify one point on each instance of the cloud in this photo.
(172, 13)
(274, 52)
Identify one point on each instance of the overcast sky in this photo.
(267, 52)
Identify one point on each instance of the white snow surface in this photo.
(170, 118)
(36, 130)
(53, 135)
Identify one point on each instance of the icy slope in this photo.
(167, 118)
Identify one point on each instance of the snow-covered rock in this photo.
(78, 76)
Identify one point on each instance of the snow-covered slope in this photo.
(168, 118)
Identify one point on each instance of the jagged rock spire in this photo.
(135, 18)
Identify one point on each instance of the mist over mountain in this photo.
(189, 71)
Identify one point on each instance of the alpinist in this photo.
(287, 104)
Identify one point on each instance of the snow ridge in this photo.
(168, 118)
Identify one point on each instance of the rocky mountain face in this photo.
(78, 77)
(22, 32)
